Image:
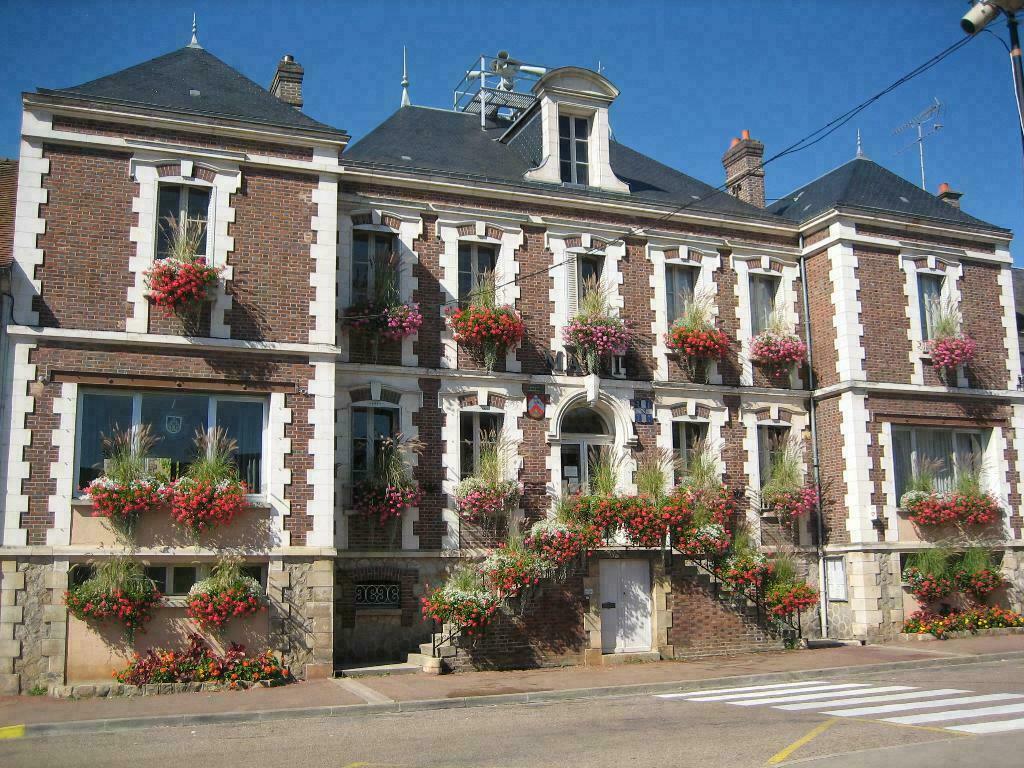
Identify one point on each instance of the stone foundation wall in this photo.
(301, 596)
(33, 624)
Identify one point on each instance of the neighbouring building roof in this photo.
(452, 143)
(1018, 297)
(863, 183)
(8, 200)
(167, 82)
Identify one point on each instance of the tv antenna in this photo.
(929, 117)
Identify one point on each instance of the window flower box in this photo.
(226, 594)
(777, 351)
(119, 591)
(593, 339)
(392, 321)
(491, 329)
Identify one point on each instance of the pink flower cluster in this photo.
(792, 504)
(952, 351)
(401, 320)
(777, 350)
(385, 502)
(486, 502)
(604, 335)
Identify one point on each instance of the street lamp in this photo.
(978, 17)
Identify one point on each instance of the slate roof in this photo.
(8, 200)
(862, 183)
(164, 83)
(452, 143)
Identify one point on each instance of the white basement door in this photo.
(625, 606)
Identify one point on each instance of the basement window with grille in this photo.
(378, 594)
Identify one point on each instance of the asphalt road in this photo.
(628, 731)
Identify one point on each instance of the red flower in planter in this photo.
(490, 329)
(926, 587)
(212, 607)
(384, 502)
(131, 607)
(469, 612)
(509, 571)
(697, 343)
(176, 283)
(556, 543)
(978, 584)
(199, 505)
(122, 502)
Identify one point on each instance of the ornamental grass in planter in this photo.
(949, 348)
(784, 593)
(777, 349)
(786, 495)
(226, 594)
(127, 488)
(977, 574)
(198, 663)
(695, 339)
(210, 494)
(594, 333)
(487, 498)
(389, 490)
(485, 326)
(929, 575)
(384, 314)
(967, 504)
(464, 602)
(118, 592)
(181, 282)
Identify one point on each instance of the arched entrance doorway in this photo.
(584, 434)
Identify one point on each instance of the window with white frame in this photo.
(373, 260)
(173, 419)
(180, 206)
(944, 453)
(680, 281)
(764, 290)
(686, 440)
(476, 430)
(771, 443)
(573, 149)
(372, 424)
(929, 299)
(177, 580)
(477, 262)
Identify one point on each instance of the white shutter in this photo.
(572, 291)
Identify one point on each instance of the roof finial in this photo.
(194, 43)
(404, 80)
(860, 149)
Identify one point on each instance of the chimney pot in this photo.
(733, 143)
(943, 187)
(745, 134)
(949, 196)
(744, 174)
(287, 82)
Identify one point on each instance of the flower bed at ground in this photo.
(200, 505)
(971, 620)
(199, 663)
(927, 587)
(930, 508)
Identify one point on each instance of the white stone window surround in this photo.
(607, 246)
(752, 420)
(28, 224)
(321, 416)
(706, 262)
(951, 274)
(323, 252)
(611, 402)
(856, 440)
(1017, 422)
(23, 373)
(994, 471)
(144, 167)
(846, 317)
(716, 419)
(579, 93)
(409, 403)
(406, 226)
(786, 298)
(1011, 339)
(511, 431)
(507, 244)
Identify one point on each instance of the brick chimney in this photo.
(287, 82)
(950, 196)
(744, 176)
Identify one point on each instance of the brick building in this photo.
(538, 191)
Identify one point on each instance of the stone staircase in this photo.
(446, 649)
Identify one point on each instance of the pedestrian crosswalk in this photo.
(953, 709)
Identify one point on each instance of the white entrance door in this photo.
(625, 606)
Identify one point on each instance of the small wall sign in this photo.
(643, 411)
(536, 407)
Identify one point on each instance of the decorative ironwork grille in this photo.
(378, 595)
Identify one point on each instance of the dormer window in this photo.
(181, 207)
(573, 154)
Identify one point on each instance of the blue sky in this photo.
(692, 74)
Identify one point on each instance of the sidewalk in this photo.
(334, 697)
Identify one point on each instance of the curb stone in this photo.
(463, 702)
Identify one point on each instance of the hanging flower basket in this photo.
(929, 508)
(492, 330)
(950, 352)
(200, 505)
(118, 592)
(467, 611)
(384, 502)
(556, 542)
(926, 587)
(479, 499)
(212, 604)
(122, 502)
(594, 338)
(176, 285)
(786, 599)
(697, 343)
(978, 584)
(391, 321)
(778, 352)
(790, 505)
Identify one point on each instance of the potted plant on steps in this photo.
(180, 283)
